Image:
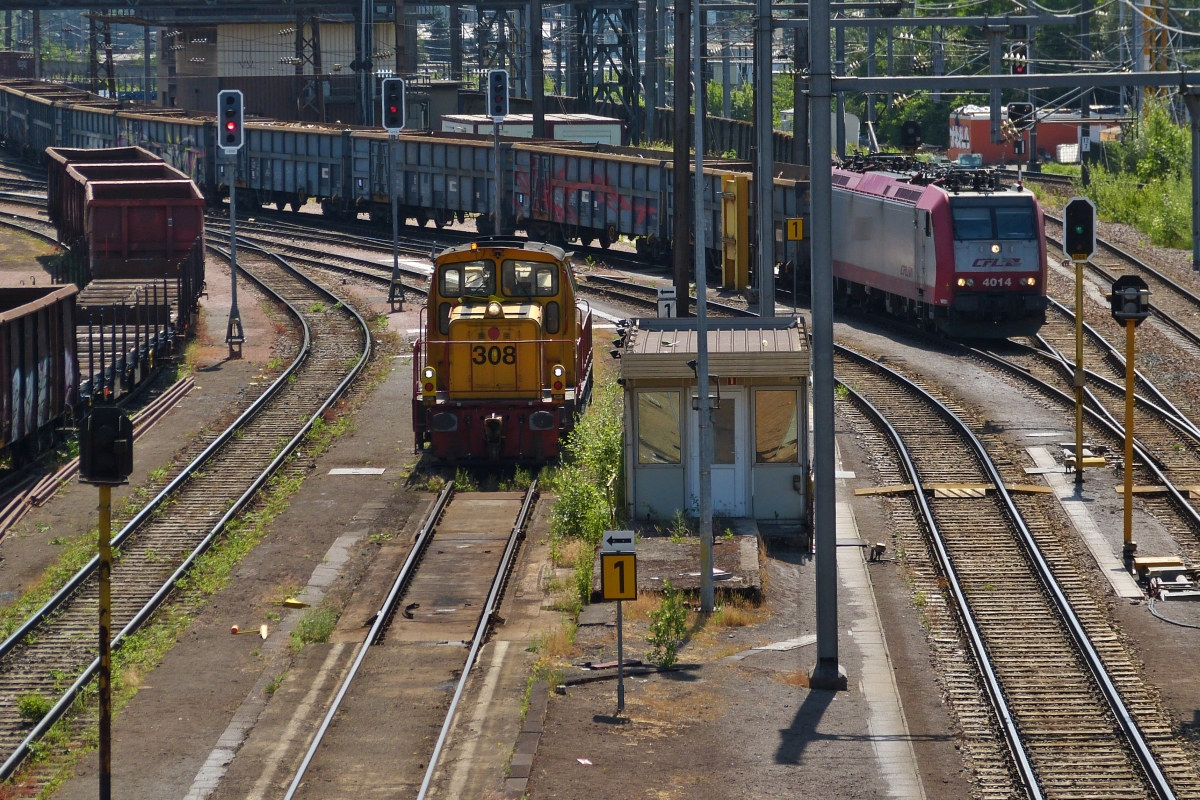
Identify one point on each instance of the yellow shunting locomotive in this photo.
(504, 360)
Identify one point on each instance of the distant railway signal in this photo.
(231, 116)
(394, 105)
(1018, 58)
(106, 447)
(910, 135)
(498, 93)
(1079, 229)
(1020, 115)
(1130, 299)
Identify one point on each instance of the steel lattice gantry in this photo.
(607, 60)
(503, 43)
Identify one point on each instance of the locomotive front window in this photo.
(973, 222)
(993, 222)
(529, 278)
(468, 279)
(1014, 222)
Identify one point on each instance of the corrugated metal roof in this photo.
(662, 348)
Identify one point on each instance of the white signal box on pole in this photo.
(498, 94)
(667, 306)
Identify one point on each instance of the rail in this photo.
(386, 610)
(1045, 575)
(63, 596)
(485, 622)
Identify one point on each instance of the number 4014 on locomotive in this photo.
(504, 359)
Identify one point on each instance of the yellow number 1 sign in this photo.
(795, 229)
(618, 576)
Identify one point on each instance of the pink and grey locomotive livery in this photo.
(951, 249)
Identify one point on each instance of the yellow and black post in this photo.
(1079, 244)
(104, 677)
(105, 459)
(1130, 302)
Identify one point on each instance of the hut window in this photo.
(775, 427)
(658, 427)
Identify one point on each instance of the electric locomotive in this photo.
(504, 361)
(953, 249)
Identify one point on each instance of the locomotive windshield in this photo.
(979, 221)
(468, 279)
(529, 278)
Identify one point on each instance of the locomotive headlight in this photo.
(962, 281)
(1031, 281)
(970, 281)
(494, 309)
(995, 248)
(558, 377)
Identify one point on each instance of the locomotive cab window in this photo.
(993, 222)
(529, 278)
(468, 279)
(973, 222)
(1014, 222)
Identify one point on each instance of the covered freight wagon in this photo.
(39, 368)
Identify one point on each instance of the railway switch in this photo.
(106, 446)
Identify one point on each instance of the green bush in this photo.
(1161, 208)
(1145, 180)
(668, 624)
(588, 483)
(33, 706)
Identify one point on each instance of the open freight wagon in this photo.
(39, 367)
(132, 217)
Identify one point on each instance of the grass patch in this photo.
(315, 627)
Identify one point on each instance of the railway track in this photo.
(447, 592)
(416, 280)
(163, 540)
(1076, 718)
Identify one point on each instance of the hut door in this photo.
(730, 460)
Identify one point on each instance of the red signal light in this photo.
(393, 109)
(429, 387)
(558, 386)
(231, 126)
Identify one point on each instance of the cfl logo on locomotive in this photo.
(984, 263)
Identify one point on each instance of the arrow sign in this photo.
(618, 542)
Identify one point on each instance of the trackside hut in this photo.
(759, 371)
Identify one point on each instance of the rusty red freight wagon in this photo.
(129, 216)
(39, 367)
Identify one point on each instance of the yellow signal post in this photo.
(735, 232)
(1130, 299)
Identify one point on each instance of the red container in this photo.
(61, 187)
(138, 218)
(39, 369)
